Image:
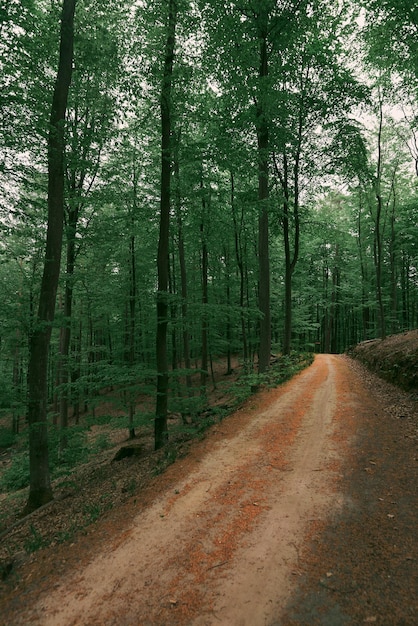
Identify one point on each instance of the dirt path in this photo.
(230, 537)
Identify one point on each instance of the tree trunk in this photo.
(287, 333)
(75, 181)
(365, 310)
(40, 490)
(204, 327)
(291, 258)
(405, 291)
(393, 264)
(132, 325)
(65, 331)
(378, 237)
(240, 262)
(160, 424)
(183, 281)
(334, 304)
(263, 197)
(228, 332)
(76, 372)
(184, 309)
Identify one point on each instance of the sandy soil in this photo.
(246, 530)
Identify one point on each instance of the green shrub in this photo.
(62, 458)
(16, 476)
(102, 442)
(7, 437)
(35, 541)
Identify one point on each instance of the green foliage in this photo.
(76, 450)
(101, 442)
(141, 418)
(281, 370)
(16, 476)
(349, 152)
(287, 366)
(98, 420)
(91, 512)
(62, 459)
(185, 404)
(7, 438)
(168, 457)
(284, 368)
(36, 541)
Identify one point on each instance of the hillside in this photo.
(395, 358)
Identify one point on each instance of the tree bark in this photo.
(133, 297)
(263, 197)
(132, 323)
(287, 333)
(40, 490)
(291, 258)
(82, 125)
(204, 326)
(239, 255)
(183, 284)
(228, 318)
(378, 237)
(160, 423)
(65, 332)
(364, 278)
(393, 262)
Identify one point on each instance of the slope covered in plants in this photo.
(395, 358)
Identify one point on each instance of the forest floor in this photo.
(301, 508)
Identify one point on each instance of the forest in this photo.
(187, 181)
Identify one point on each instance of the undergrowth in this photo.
(282, 369)
(83, 443)
(80, 447)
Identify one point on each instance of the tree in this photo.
(391, 35)
(89, 126)
(262, 129)
(314, 90)
(40, 490)
(161, 433)
(378, 218)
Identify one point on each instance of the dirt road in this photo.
(237, 528)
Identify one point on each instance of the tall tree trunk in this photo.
(204, 327)
(16, 382)
(17, 372)
(160, 423)
(291, 256)
(287, 333)
(263, 197)
(173, 317)
(132, 325)
(65, 331)
(240, 262)
(405, 291)
(76, 371)
(365, 310)
(334, 304)
(130, 357)
(40, 490)
(183, 280)
(378, 236)
(228, 332)
(184, 307)
(75, 180)
(393, 263)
